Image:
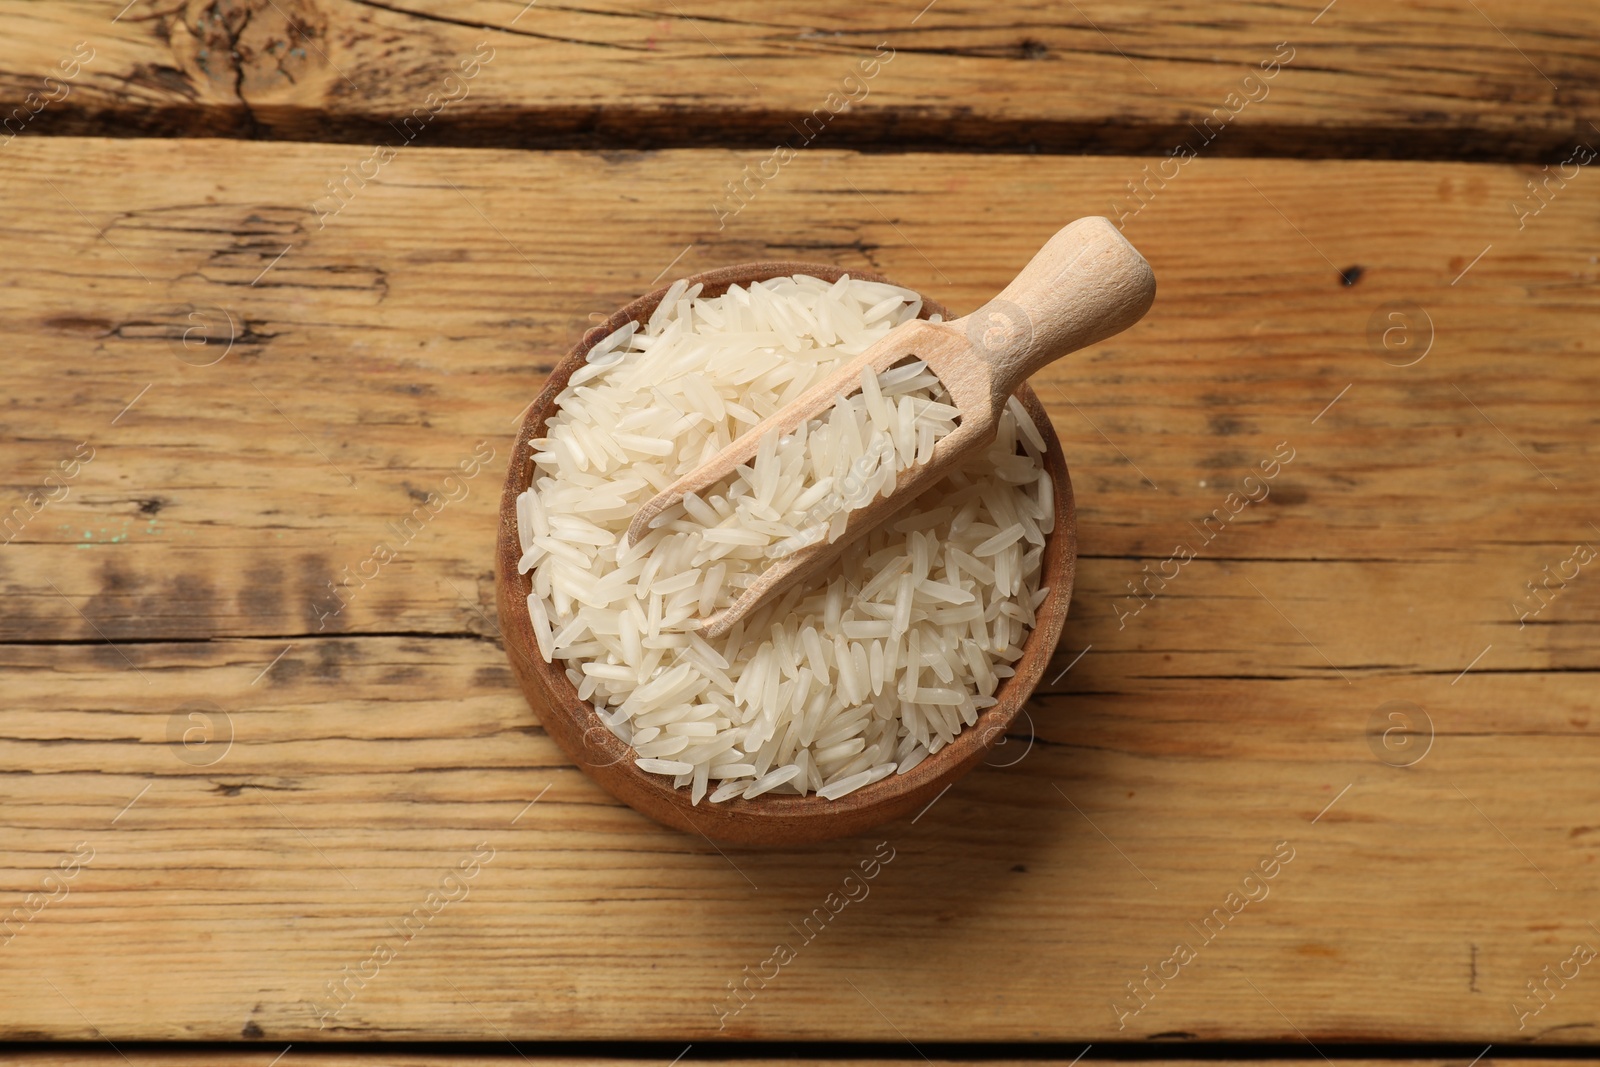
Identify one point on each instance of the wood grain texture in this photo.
(1375, 78)
(327, 1058)
(219, 886)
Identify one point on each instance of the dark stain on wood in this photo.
(320, 606)
(78, 324)
(262, 596)
(1225, 461)
(331, 659)
(494, 678)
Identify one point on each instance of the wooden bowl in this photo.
(770, 820)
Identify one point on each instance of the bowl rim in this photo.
(772, 818)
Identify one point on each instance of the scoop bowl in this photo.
(771, 820)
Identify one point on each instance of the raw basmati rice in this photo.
(800, 490)
(851, 677)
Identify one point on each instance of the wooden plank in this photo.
(405, 336)
(326, 793)
(326, 1058)
(343, 801)
(1493, 80)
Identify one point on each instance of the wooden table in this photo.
(232, 815)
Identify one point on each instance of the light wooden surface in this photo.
(1375, 78)
(225, 884)
(298, 1057)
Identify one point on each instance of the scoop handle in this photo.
(1086, 284)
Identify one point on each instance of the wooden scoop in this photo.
(1086, 284)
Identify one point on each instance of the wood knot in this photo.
(254, 53)
(1030, 48)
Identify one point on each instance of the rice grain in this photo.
(860, 673)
